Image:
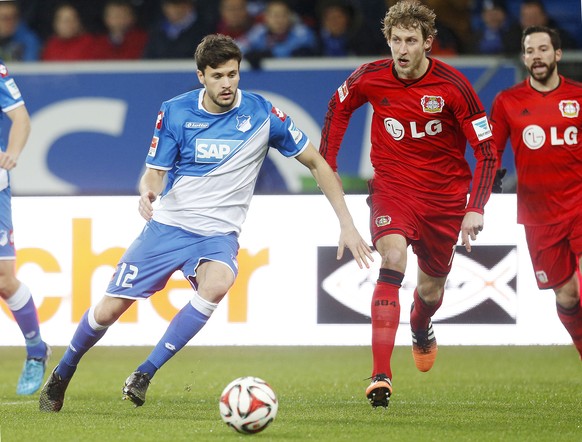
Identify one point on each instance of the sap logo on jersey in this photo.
(214, 151)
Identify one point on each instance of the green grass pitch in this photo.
(471, 394)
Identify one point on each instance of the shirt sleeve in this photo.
(343, 103)
(486, 166)
(164, 147)
(499, 126)
(10, 96)
(477, 130)
(285, 136)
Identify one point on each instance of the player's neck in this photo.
(414, 74)
(546, 86)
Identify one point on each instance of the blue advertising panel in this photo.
(93, 122)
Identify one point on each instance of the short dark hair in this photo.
(554, 36)
(216, 49)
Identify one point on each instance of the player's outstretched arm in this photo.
(329, 184)
(151, 185)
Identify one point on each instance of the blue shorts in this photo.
(159, 251)
(6, 229)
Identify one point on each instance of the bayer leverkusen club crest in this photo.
(569, 108)
(432, 104)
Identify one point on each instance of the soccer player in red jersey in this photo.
(542, 118)
(424, 113)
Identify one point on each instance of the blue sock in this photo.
(183, 327)
(27, 319)
(84, 338)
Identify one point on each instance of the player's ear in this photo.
(428, 43)
(558, 54)
(200, 75)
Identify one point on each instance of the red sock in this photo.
(572, 320)
(385, 319)
(422, 312)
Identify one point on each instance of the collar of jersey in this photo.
(201, 97)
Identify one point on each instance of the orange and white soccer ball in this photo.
(248, 405)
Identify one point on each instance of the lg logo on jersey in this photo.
(396, 128)
(535, 136)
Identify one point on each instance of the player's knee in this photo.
(431, 292)
(568, 296)
(109, 309)
(394, 259)
(568, 293)
(214, 291)
(8, 285)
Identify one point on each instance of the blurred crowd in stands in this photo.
(51, 30)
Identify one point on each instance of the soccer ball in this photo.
(248, 405)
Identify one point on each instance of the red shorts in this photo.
(554, 250)
(431, 227)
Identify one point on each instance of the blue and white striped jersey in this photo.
(213, 160)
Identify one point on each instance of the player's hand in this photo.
(351, 238)
(7, 161)
(498, 181)
(471, 226)
(146, 210)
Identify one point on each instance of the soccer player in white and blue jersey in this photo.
(209, 144)
(16, 294)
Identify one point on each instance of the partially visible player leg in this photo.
(424, 345)
(570, 311)
(572, 320)
(555, 252)
(19, 300)
(25, 314)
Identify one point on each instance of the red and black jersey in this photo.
(419, 132)
(544, 130)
